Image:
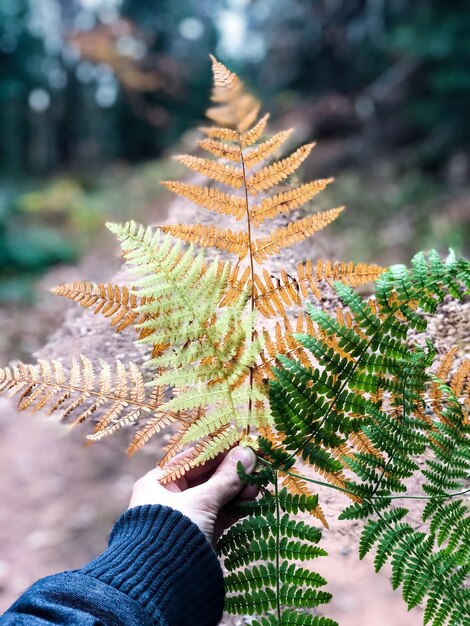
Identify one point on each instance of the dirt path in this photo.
(59, 499)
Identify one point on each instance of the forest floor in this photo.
(59, 498)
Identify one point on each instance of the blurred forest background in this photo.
(95, 97)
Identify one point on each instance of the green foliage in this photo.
(447, 470)
(371, 378)
(26, 248)
(261, 554)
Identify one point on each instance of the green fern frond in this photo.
(448, 470)
(261, 554)
(291, 618)
(371, 379)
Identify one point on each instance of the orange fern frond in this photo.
(266, 149)
(215, 132)
(212, 199)
(446, 363)
(228, 143)
(362, 443)
(177, 467)
(112, 301)
(288, 290)
(174, 445)
(210, 236)
(286, 201)
(227, 85)
(459, 381)
(240, 113)
(114, 423)
(344, 318)
(231, 176)
(293, 233)
(155, 423)
(151, 427)
(271, 175)
(121, 391)
(350, 274)
(272, 294)
(270, 298)
(209, 447)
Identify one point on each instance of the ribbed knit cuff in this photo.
(159, 558)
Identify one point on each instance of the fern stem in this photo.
(252, 268)
(322, 483)
(278, 537)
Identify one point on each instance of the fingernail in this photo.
(245, 455)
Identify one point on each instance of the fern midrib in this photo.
(322, 483)
(454, 443)
(252, 269)
(439, 503)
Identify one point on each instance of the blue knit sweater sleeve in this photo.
(158, 569)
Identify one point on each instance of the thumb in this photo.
(225, 484)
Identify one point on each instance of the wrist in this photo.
(158, 557)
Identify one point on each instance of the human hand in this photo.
(204, 494)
